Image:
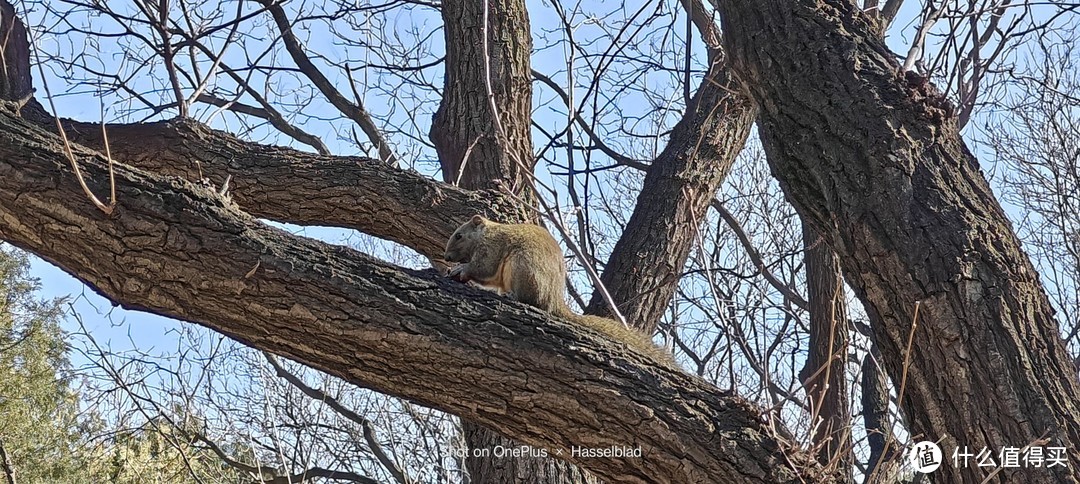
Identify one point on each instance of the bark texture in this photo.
(873, 160)
(647, 262)
(528, 467)
(181, 251)
(875, 411)
(15, 81)
(292, 186)
(480, 145)
(531, 468)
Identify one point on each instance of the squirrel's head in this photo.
(466, 238)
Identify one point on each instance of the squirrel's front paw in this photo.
(458, 273)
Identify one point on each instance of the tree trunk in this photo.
(872, 160)
(647, 262)
(824, 375)
(482, 134)
(524, 469)
(477, 145)
(16, 82)
(879, 430)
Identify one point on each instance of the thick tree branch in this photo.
(823, 373)
(292, 186)
(647, 261)
(179, 250)
(645, 266)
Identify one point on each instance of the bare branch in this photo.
(365, 424)
(354, 111)
(930, 16)
(748, 246)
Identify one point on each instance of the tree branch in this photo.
(296, 187)
(180, 251)
(5, 462)
(354, 111)
(755, 257)
(648, 259)
(365, 425)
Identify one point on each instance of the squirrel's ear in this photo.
(477, 220)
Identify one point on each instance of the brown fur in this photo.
(525, 261)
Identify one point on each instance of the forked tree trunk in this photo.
(873, 160)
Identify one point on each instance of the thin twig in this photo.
(365, 424)
(5, 461)
(755, 257)
(107, 209)
(903, 385)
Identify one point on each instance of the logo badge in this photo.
(925, 457)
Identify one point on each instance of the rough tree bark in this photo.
(182, 251)
(647, 262)
(879, 430)
(15, 82)
(823, 375)
(480, 145)
(873, 160)
(292, 186)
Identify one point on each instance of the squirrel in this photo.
(525, 262)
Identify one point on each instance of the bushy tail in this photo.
(618, 332)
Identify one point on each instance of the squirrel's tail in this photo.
(618, 332)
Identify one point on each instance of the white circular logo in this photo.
(925, 457)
